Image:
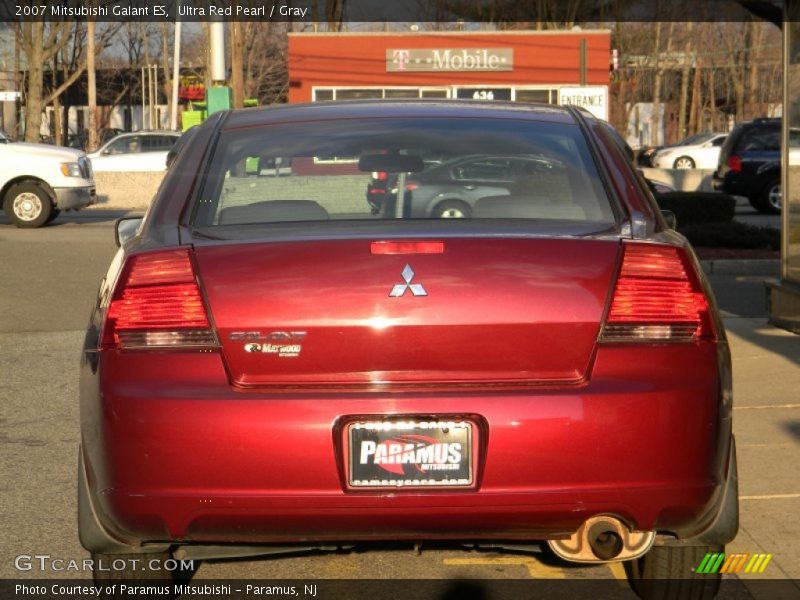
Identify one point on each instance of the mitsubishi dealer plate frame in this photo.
(411, 453)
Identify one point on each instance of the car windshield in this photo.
(446, 168)
(696, 139)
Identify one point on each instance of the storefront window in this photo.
(433, 93)
(323, 95)
(401, 93)
(536, 96)
(358, 94)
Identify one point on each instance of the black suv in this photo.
(750, 163)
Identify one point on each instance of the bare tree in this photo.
(39, 43)
(265, 61)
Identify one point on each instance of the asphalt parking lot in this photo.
(50, 276)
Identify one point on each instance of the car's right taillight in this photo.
(657, 298)
(157, 304)
(735, 164)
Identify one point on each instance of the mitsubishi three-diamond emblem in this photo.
(416, 288)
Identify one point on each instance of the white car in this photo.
(695, 156)
(137, 151)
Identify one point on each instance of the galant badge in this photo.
(400, 288)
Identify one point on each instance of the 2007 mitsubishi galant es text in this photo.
(269, 364)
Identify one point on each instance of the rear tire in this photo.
(668, 573)
(683, 162)
(27, 205)
(452, 209)
(770, 199)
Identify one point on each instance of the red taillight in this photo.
(657, 298)
(735, 164)
(157, 303)
(380, 175)
(411, 186)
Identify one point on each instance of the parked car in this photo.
(451, 189)
(172, 153)
(81, 140)
(701, 155)
(268, 367)
(645, 156)
(38, 181)
(750, 163)
(138, 151)
(656, 187)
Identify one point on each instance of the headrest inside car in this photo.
(273, 211)
(524, 206)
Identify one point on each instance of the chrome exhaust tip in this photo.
(603, 539)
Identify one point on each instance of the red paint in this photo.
(544, 295)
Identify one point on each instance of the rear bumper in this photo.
(174, 454)
(741, 184)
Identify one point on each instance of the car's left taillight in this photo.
(157, 303)
(657, 298)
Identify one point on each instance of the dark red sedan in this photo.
(269, 364)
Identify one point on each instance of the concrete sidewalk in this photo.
(766, 384)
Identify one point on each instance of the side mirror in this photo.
(670, 219)
(126, 228)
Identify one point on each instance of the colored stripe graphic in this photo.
(734, 563)
(713, 563)
(730, 562)
(716, 565)
(741, 562)
(704, 563)
(764, 564)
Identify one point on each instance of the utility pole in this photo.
(90, 72)
(237, 64)
(176, 61)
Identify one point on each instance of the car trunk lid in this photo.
(346, 313)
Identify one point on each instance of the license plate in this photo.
(394, 453)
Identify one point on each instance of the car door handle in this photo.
(469, 187)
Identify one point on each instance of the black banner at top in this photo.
(405, 11)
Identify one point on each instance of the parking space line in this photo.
(770, 497)
(776, 445)
(766, 406)
(536, 569)
(618, 571)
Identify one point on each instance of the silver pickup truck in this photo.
(38, 181)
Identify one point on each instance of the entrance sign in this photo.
(592, 98)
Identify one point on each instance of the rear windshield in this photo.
(327, 171)
(760, 137)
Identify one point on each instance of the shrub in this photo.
(694, 208)
(732, 234)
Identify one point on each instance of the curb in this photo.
(742, 266)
